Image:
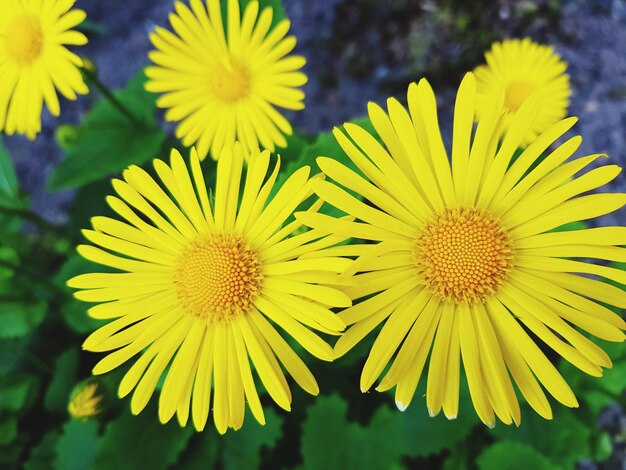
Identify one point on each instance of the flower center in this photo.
(217, 278)
(230, 82)
(516, 93)
(24, 39)
(463, 255)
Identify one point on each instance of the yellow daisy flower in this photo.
(524, 67)
(465, 263)
(223, 86)
(200, 283)
(34, 61)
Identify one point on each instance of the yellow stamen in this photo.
(463, 255)
(218, 277)
(516, 93)
(230, 82)
(24, 39)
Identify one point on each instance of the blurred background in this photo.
(357, 51)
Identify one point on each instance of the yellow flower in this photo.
(34, 61)
(524, 67)
(465, 264)
(225, 86)
(86, 400)
(198, 283)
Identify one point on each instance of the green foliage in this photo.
(20, 318)
(565, 439)
(63, 380)
(388, 437)
(508, 455)
(107, 141)
(141, 442)
(8, 178)
(78, 445)
(43, 454)
(17, 392)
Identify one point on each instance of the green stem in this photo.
(34, 218)
(104, 91)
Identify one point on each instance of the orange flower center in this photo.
(463, 255)
(217, 278)
(516, 93)
(24, 39)
(230, 82)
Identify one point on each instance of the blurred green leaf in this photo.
(107, 142)
(17, 392)
(78, 445)
(389, 436)
(596, 392)
(242, 449)
(603, 446)
(8, 255)
(141, 442)
(19, 319)
(63, 380)
(74, 311)
(8, 179)
(508, 455)
(8, 430)
(564, 439)
(43, 454)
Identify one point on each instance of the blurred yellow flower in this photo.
(524, 67)
(34, 61)
(198, 283)
(86, 400)
(465, 264)
(225, 86)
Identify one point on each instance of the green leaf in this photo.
(564, 439)
(513, 456)
(383, 442)
(78, 445)
(74, 311)
(9, 255)
(63, 380)
(8, 430)
(19, 319)
(108, 142)
(8, 179)
(242, 449)
(141, 442)
(17, 392)
(43, 454)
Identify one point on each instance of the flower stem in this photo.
(108, 94)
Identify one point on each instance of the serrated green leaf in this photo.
(564, 439)
(8, 179)
(108, 141)
(78, 445)
(43, 454)
(8, 430)
(17, 391)
(388, 437)
(141, 442)
(242, 449)
(63, 380)
(509, 455)
(19, 319)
